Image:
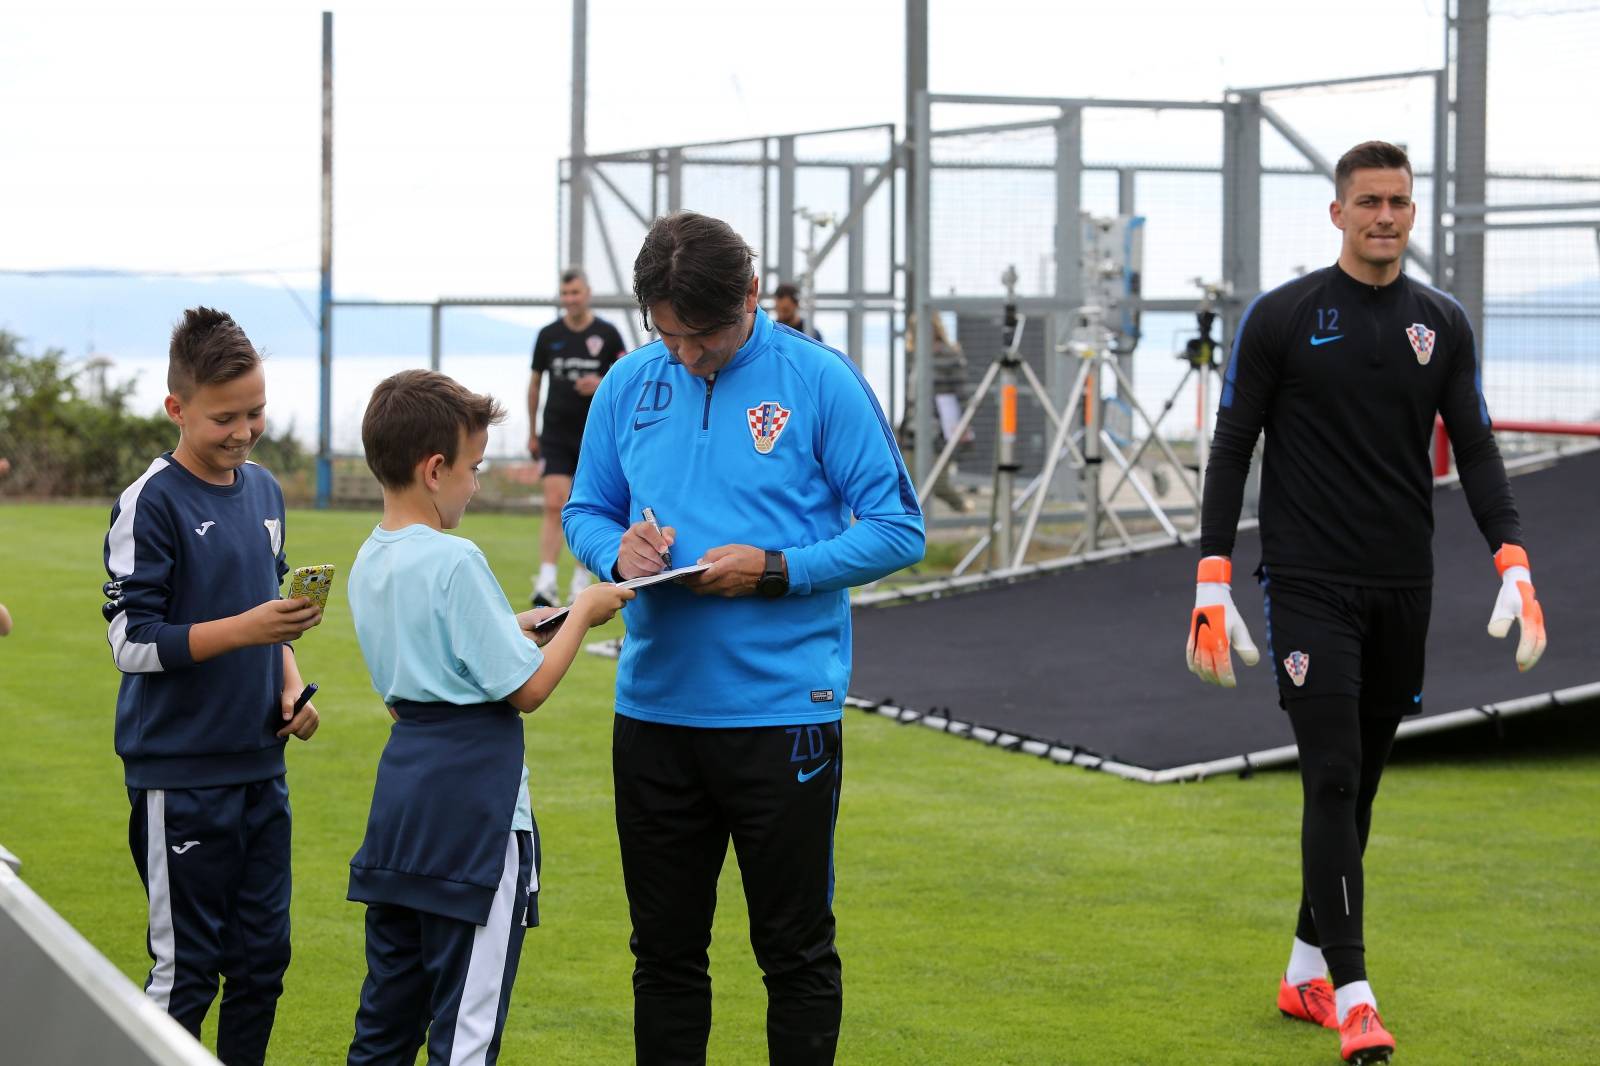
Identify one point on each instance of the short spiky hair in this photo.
(208, 348)
(572, 274)
(416, 414)
(1369, 155)
(696, 265)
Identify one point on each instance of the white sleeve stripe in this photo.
(120, 560)
(131, 658)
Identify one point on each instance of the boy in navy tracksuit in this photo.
(449, 868)
(195, 556)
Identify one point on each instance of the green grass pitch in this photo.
(992, 908)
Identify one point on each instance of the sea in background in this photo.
(1536, 367)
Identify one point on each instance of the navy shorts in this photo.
(1328, 639)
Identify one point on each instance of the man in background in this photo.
(573, 352)
(786, 309)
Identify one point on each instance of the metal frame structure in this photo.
(1461, 213)
(1244, 113)
(1067, 125)
(782, 165)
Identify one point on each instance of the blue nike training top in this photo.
(780, 450)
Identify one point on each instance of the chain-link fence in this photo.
(1541, 287)
(818, 208)
(1232, 196)
(1297, 235)
(1119, 205)
(1240, 194)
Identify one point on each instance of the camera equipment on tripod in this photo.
(1201, 351)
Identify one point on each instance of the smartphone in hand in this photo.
(311, 583)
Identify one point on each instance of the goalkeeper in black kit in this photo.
(1344, 370)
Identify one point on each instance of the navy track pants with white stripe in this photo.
(215, 866)
(443, 979)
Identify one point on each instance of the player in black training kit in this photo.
(573, 352)
(1344, 369)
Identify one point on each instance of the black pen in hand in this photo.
(305, 698)
(666, 556)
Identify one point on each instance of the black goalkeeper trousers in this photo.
(1342, 756)
(682, 793)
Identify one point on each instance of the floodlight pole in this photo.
(1469, 30)
(577, 173)
(914, 154)
(325, 303)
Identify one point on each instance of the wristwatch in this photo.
(774, 579)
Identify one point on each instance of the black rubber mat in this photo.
(1093, 658)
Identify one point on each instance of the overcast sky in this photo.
(185, 135)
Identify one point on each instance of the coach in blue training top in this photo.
(754, 446)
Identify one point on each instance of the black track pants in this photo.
(682, 794)
(1342, 756)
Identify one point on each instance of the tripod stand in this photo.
(1090, 344)
(1004, 368)
(1201, 354)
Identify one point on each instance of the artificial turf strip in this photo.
(992, 908)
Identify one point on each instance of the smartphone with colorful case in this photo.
(312, 583)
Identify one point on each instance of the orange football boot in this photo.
(1310, 1001)
(1362, 1037)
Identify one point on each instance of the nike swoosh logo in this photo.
(187, 844)
(638, 425)
(802, 777)
(1326, 340)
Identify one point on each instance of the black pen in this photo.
(305, 697)
(666, 556)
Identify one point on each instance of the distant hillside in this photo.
(133, 316)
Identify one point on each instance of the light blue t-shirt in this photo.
(435, 626)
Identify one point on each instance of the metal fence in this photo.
(819, 208)
(1233, 194)
(1536, 215)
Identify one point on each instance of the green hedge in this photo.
(63, 441)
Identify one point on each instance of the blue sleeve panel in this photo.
(182, 551)
(1466, 420)
(1248, 384)
(786, 449)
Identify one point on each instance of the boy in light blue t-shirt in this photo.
(449, 868)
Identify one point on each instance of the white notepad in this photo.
(632, 583)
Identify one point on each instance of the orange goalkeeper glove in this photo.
(1516, 603)
(1216, 626)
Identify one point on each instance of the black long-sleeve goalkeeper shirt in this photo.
(1345, 378)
